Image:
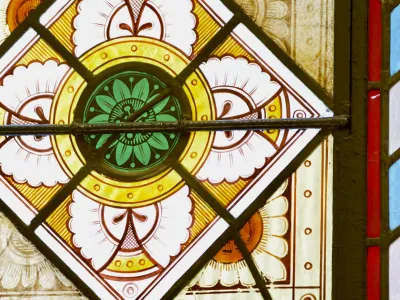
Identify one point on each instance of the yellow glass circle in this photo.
(118, 52)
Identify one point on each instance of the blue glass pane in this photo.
(394, 195)
(395, 41)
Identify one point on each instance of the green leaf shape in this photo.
(143, 153)
(106, 103)
(158, 141)
(160, 105)
(122, 153)
(120, 91)
(165, 118)
(152, 97)
(104, 137)
(141, 90)
(103, 118)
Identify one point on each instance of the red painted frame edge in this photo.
(373, 170)
(373, 226)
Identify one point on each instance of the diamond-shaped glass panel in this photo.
(131, 225)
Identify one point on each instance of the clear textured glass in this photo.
(394, 274)
(287, 246)
(394, 118)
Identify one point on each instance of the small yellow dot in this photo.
(104, 55)
(272, 108)
(166, 57)
(204, 118)
(96, 187)
(118, 263)
(130, 195)
(67, 153)
(307, 163)
(160, 187)
(308, 266)
(61, 122)
(194, 82)
(141, 262)
(71, 89)
(271, 131)
(272, 117)
(308, 231)
(129, 264)
(193, 155)
(307, 194)
(134, 48)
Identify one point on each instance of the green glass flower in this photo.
(114, 101)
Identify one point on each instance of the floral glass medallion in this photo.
(113, 101)
(131, 223)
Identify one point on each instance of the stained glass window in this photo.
(161, 149)
(383, 146)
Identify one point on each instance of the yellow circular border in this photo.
(119, 51)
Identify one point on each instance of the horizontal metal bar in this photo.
(182, 126)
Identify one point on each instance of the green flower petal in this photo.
(143, 153)
(120, 91)
(165, 118)
(141, 90)
(106, 103)
(122, 153)
(158, 141)
(104, 137)
(160, 105)
(103, 118)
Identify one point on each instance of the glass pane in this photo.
(25, 271)
(292, 250)
(303, 29)
(187, 26)
(394, 274)
(394, 118)
(394, 194)
(241, 64)
(12, 13)
(395, 41)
